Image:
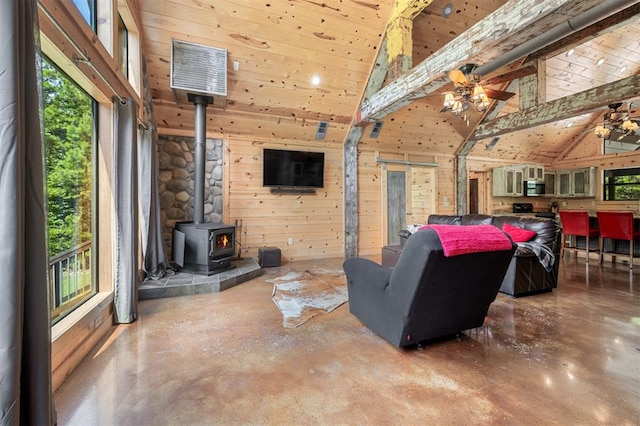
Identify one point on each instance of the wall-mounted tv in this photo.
(301, 169)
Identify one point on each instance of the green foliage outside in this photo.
(622, 185)
(68, 124)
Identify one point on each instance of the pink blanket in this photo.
(463, 239)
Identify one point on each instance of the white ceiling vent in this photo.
(198, 69)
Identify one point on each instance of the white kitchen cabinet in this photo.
(508, 181)
(534, 172)
(576, 183)
(550, 184)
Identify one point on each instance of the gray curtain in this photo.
(25, 329)
(155, 261)
(125, 146)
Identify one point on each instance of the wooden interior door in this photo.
(478, 193)
(409, 196)
(396, 205)
(473, 196)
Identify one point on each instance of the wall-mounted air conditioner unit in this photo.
(198, 69)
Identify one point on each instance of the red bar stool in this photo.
(617, 226)
(576, 224)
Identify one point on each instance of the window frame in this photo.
(608, 187)
(60, 312)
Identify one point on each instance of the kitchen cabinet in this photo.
(508, 181)
(576, 183)
(534, 172)
(550, 184)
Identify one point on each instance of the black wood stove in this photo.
(200, 247)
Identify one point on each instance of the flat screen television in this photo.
(300, 169)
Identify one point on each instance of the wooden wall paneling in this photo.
(313, 222)
(247, 125)
(369, 203)
(423, 194)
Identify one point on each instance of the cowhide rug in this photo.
(301, 296)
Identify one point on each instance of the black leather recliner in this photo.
(426, 295)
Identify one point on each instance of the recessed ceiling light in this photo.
(570, 52)
(448, 10)
(600, 62)
(315, 80)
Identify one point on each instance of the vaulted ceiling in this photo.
(277, 46)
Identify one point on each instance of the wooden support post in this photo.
(400, 47)
(533, 88)
(350, 189)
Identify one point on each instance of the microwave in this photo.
(533, 188)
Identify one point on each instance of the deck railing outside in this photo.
(70, 280)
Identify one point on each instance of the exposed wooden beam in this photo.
(502, 30)
(533, 88)
(400, 47)
(563, 108)
(400, 35)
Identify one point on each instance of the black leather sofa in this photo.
(526, 275)
(426, 295)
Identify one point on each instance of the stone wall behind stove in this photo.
(176, 184)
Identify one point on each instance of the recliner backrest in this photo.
(453, 292)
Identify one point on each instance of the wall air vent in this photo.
(198, 69)
(322, 129)
(377, 127)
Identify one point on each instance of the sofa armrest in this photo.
(361, 272)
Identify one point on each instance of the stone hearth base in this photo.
(185, 284)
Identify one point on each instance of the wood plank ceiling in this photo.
(279, 45)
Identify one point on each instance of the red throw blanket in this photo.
(463, 239)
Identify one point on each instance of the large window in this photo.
(69, 151)
(622, 184)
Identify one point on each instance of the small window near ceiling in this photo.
(622, 184)
(123, 43)
(87, 8)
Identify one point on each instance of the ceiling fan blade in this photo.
(498, 94)
(510, 75)
(458, 77)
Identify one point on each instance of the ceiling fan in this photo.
(469, 90)
(617, 121)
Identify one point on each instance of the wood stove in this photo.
(206, 248)
(202, 247)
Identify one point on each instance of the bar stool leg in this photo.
(601, 248)
(586, 248)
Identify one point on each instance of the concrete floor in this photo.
(567, 357)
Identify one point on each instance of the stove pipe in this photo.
(200, 103)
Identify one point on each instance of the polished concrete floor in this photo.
(567, 357)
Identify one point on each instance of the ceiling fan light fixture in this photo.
(480, 98)
(629, 126)
(449, 100)
(457, 108)
(602, 132)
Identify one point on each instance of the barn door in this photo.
(396, 205)
(408, 197)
